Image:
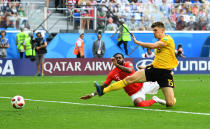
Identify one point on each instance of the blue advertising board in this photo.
(25, 67)
(17, 67)
(186, 65)
(193, 66)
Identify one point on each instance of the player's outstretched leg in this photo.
(99, 89)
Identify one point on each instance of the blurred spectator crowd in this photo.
(137, 14)
(140, 14)
(12, 14)
(177, 15)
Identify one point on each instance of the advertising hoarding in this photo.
(92, 66)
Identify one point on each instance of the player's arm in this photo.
(124, 69)
(157, 44)
(89, 96)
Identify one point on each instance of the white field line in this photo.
(72, 82)
(21, 83)
(119, 107)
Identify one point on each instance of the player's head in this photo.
(119, 57)
(158, 29)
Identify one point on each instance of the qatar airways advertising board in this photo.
(92, 66)
(89, 66)
(57, 67)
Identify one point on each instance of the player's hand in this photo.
(86, 97)
(134, 38)
(114, 61)
(141, 67)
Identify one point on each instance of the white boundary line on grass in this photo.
(119, 107)
(71, 82)
(21, 83)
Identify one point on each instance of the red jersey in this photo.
(117, 74)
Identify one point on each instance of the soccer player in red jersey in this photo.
(136, 91)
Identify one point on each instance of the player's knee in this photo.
(170, 104)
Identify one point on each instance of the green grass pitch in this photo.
(60, 107)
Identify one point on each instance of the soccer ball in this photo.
(18, 102)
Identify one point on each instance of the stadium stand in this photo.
(176, 14)
(13, 15)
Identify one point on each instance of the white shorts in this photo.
(148, 88)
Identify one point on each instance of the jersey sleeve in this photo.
(129, 65)
(165, 40)
(108, 79)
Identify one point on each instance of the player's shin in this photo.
(115, 86)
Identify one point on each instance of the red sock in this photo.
(146, 103)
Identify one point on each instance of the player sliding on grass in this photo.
(136, 91)
(159, 71)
